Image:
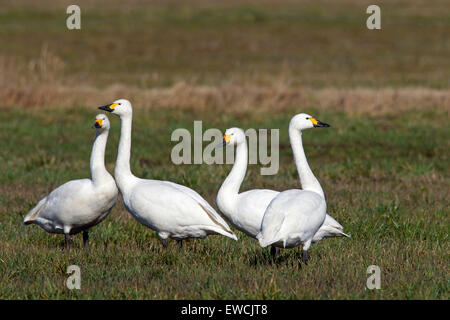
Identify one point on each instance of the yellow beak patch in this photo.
(99, 121)
(227, 138)
(314, 121)
(113, 106)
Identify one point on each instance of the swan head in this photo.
(303, 121)
(233, 136)
(121, 107)
(101, 122)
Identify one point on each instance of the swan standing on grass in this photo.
(245, 210)
(79, 205)
(294, 216)
(172, 210)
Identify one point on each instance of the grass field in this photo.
(383, 164)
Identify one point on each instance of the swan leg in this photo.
(274, 252)
(86, 239)
(165, 243)
(305, 256)
(67, 238)
(180, 244)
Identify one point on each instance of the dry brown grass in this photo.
(353, 101)
(269, 64)
(41, 83)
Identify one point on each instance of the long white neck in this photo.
(234, 180)
(122, 171)
(97, 162)
(307, 179)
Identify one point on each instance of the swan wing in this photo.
(168, 209)
(292, 212)
(330, 228)
(212, 213)
(331, 222)
(75, 203)
(270, 227)
(255, 202)
(61, 206)
(250, 209)
(272, 222)
(328, 232)
(33, 214)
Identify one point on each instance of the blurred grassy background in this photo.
(158, 43)
(383, 164)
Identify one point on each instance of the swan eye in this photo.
(307, 118)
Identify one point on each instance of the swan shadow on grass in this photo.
(265, 258)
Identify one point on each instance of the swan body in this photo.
(289, 224)
(172, 210)
(295, 216)
(245, 211)
(78, 205)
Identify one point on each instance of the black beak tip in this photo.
(321, 124)
(105, 108)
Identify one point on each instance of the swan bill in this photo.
(108, 107)
(321, 124)
(225, 141)
(317, 123)
(98, 124)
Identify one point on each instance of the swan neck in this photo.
(122, 169)
(232, 183)
(307, 179)
(97, 161)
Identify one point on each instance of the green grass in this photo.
(383, 164)
(386, 181)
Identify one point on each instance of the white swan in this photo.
(245, 210)
(294, 217)
(79, 205)
(329, 229)
(172, 210)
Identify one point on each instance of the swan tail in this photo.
(331, 222)
(339, 233)
(222, 232)
(230, 235)
(225, 228)
(33, 214)
(345, 235)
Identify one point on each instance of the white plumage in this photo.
(172, 210)
(298, 217)
(245, 210)
(292, 218)
(81, 204)
(329, 229)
